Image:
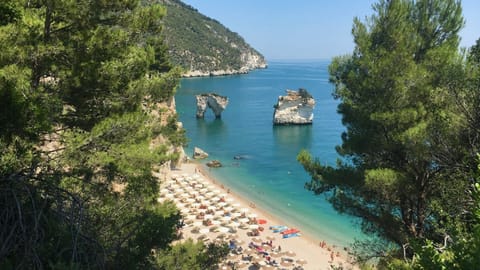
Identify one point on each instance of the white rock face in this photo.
(199, 153)
(296, 108)
(213, 101)
(250, 61)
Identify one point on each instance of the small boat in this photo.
(275, 227)
(289, 231)
(291, 235)
(262, 221)
(280, 229)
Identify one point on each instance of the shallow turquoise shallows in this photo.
(268, 173)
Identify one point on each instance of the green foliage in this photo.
(197, 42)
(78, 83)
(405, 150)
(460, 251)
(192, 256)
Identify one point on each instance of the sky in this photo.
(307, 29)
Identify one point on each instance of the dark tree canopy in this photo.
(80, 84)
(404, 169)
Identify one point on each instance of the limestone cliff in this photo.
(162, 113)
(296, 108)
(213, 101)
(203, 46)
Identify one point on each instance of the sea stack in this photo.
(213, 101)
(296, 108)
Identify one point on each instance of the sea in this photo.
(268, 173)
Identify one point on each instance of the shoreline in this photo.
(306, 246)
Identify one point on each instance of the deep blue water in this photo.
(270, 176)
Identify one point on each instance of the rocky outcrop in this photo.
(213, 101)
(199, 153)
(214, 164)
(296, 108)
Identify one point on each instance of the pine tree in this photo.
(398, 114)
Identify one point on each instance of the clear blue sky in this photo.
(306, 29)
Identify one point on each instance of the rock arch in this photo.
(213, 101)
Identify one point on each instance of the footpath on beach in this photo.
(257, 240)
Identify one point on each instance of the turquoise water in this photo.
(269, 175)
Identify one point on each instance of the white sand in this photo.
(304, 248)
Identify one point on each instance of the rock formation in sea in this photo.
(213, 101)
(214, 164)
(199, 153)
(296, 108)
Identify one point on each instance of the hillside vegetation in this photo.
(81, 88)
(203, 46)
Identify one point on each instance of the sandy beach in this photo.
(212, 212)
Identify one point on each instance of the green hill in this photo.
(203, 46)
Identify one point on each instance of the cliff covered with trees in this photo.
(203, 46)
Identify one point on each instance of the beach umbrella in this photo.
(195, 229)
(244, 220)
(204, 230)
(301, 262)
(211, 207)
(286, 263)
(253, 226)
(270, 237)
(228, 208)
(226, 218)
(252, 215)
(202, 237)
(222, 204)
(221, 236)
(275, 254)
(236, 205)
(232, 256)
(236, 214)
(197, 223)
(241, 265)
(191, 217)
(249, 251)
(195, 205)
(229, 199)
(216, 222)
(244, 210)
(208, 216)
(223, 229)
(256, 239)
(233, 236)
(257, 259)
(290, 253)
